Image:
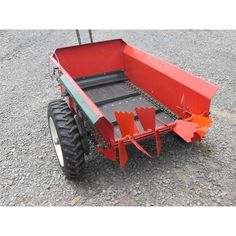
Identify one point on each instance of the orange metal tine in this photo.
(127, 128)
(158, 143)
(136, 144)
(146, 117)
(202, 120)
(125, 122)
(122, 154)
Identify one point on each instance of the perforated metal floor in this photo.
(111, 92)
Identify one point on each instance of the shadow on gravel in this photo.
(175, 153)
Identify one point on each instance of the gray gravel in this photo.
(200, 174)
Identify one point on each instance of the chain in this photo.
(152, 100)
(94, 134)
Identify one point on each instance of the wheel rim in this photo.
(56, 142)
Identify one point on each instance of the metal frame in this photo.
(86, 66)
(79, 37)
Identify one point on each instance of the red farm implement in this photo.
(116, 95)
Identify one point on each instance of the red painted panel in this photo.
(167, 83)
(91, 59)
(180, 91)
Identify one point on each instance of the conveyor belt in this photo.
(110, 92)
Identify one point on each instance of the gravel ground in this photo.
(199, 174)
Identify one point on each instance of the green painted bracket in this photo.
(83, 105)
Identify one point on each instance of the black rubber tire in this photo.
(69, 138)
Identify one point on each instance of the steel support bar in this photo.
(78, 36)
